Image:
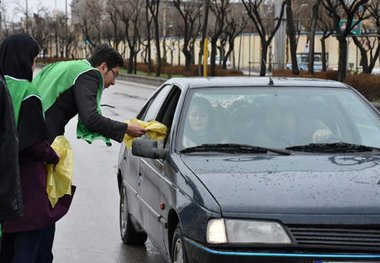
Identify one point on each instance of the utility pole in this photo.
(280, 38)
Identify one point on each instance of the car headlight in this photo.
(221, 231)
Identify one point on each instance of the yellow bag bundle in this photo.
(59, 180)
(156, 131)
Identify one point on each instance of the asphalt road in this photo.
(90, 230)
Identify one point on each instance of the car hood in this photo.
(297, 184)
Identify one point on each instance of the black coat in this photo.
(10, 191)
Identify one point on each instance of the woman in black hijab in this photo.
(21, 236)
(10, 191)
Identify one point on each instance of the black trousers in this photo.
(20, 247)
(45, 245)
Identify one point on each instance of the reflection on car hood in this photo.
(300, 184)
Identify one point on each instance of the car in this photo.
(376, 71)
(219, 62)
(303, 62)
(255, 169)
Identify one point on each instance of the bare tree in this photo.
(292, 36)
(259, 11)
(90, 14)
(220, 10)
(325, 25)
(190, 13)
(112, 8)
(352, 12)
(153, 8)
(41, 29)
(130, 13)
(314, 20)
(369, 43)
(235, 26)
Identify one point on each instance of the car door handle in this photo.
(139, 180)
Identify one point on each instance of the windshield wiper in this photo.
(336, 147)
(233, 148)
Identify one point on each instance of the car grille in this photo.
(360, 239)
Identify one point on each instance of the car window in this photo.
(151, 108)
(277, 117)
(168, 108)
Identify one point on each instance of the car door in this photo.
(156, 175)
(132, 174)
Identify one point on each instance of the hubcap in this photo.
(123, 212)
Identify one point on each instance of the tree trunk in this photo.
(131, 60)
(213, 55)
(292, 37)
(323, 48)
(363, 53)
(263, 63)
(158, 46)
(148, 38)
(342, 65)
(312, 36)
(188, 57)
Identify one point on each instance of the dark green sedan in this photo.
(255, 170)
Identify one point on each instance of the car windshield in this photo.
(277, 118)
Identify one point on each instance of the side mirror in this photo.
(148, 148)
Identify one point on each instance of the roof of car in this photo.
(196, 82)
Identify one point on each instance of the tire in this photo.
(128, 234)
(178, 252)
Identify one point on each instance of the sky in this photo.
(51, 5)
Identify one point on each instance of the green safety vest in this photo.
(56, 78)
(20, 90)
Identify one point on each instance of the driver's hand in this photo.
(321, 135)
(135, 130)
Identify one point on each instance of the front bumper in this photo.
(198, 253)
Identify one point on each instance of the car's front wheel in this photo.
(178, 253)
(128, 234)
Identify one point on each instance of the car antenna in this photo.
(271, 83)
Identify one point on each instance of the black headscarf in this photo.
(10, 190)
(17, 54)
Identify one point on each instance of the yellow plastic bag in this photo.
(59, 180)
(156, 131)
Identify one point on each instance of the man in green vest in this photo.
(75, 87)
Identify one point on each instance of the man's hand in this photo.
(135, 130)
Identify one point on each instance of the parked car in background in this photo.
(303, 62)
(376, 70)
(255, 170)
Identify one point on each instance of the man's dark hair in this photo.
(107, 54)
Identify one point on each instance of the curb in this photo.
(154, 81)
